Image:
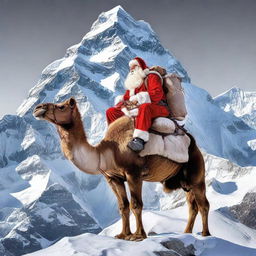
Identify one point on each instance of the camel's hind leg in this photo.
(203, 206)
(118, 187)
(136, 204)
(194, 177)
(193, 210)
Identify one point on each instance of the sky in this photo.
(215, 40)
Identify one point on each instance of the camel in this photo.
(112, 158)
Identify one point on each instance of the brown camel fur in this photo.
(118, 164)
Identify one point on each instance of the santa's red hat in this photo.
(137, 61)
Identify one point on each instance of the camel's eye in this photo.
(61, 107)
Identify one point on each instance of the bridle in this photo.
(53, 113)
(55, 120)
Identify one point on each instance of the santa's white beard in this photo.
(134, 79)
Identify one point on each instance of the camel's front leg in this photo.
(118, 187)
(136, 204)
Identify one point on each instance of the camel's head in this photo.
(59, 114)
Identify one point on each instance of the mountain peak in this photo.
(235, 89)
(239, 102)
(109, 18)
(116, 11)
(231, 91)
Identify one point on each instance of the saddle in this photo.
(167, 139)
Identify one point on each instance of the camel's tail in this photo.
(173, 183)
(192, 143)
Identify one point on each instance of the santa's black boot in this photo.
(136, 144)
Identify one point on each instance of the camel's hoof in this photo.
(123, 236)
(138, 237)
(188, 231)
(207, 233)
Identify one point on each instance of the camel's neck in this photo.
(76, 147)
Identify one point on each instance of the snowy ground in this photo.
(165, 238)
(227, 184)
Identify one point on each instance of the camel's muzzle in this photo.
(40, 111)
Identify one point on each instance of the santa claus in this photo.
(147, 95)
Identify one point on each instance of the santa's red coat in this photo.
(148, 110)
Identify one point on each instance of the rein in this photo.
(179, 130)
(54, 116)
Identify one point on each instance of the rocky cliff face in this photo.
(245, 211)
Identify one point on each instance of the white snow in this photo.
(252, 144)
(38, 184)
(108, 54)
(67, 62)
(110, 82)
(229, 237)
(45, 212)
(26, 104)
(63, 219)
(31, 137)
(241, 103)
(37, 180)
(174, 221)
(166, 226)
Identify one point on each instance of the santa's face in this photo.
(134, 78)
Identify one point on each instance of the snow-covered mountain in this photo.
(240, 103)
(232, 225)
(163, 244)
(34, 173)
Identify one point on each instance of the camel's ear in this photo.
(72, 102)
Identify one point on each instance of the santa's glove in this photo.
(118, 99)
(130, 104)
(141, 98)
(133, 98)
(126, 112)
(134, 112)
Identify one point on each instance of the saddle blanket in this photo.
(173, 147)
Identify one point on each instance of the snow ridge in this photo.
(240, 103)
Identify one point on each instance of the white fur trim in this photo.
(146, 71)
(134, 112)
(133, 98)
(126, 112)
(143, 97)
(119, 98)
(141, 134)
(131, 92)
(134, 63)
(182, 122)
